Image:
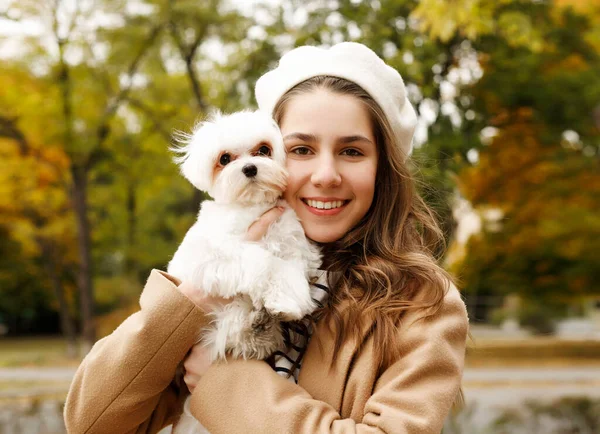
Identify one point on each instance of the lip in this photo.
(325, 199)
(324, 212)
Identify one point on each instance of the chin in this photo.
(323, 235)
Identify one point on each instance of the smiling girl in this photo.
(387, 351)
(331, 158)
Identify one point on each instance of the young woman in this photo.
(387, 351)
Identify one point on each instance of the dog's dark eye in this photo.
(264, 150)
(225, 159)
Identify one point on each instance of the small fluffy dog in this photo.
(239, 159)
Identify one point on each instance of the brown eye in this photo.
(264, 150)
(300, 150)
(225, 159)
(350, 152)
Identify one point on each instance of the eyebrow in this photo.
(352, 139)
(312, 138)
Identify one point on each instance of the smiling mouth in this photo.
(317, 204)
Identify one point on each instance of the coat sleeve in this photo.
(414, 395)
(126, 383)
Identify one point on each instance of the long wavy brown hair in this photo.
(388, 257)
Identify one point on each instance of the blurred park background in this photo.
(507, 152)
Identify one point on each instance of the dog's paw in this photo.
(290, 305)
(285, 307)
(218, 278)
(289, 292)
(235, 273)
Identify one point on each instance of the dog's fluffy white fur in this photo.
(239, 159)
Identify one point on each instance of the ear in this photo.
(195, 154)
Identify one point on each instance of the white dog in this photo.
(239, 160)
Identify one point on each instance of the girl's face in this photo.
(331, 160)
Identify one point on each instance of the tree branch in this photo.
(151, 116)
(73, 19)
(103, 129)
(64, 81)
(188, 53)
(9, 129)
(131, 70)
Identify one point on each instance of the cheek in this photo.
(368, 187)
(363, 182)
(294, 180)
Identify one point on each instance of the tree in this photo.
(34, 207)
(118, 86)
(541, 168)
(396, 31)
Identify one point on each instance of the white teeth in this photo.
(324, 205)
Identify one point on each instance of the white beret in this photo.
(351, 61)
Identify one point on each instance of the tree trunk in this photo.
(84, 275)
(67, 325)
(130, 262)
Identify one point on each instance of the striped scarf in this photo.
(296, 335)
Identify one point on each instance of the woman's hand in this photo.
(196, 364)
(259, 228)
(205, 302)
(198, 359)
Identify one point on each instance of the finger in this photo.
(208, 303)
(191, 381)
(188, 365)
(196, 355)
(196, 295)
(259, 228)
(214, 302)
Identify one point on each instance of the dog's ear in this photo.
(196, 153)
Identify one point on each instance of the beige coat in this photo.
(125, 384)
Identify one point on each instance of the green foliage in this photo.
(546, 186)
(25, 302)
(104, 97)
(540, 317)
(150, 70)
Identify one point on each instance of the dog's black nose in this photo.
(250, 170)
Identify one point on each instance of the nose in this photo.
(249, 170)
(326, 174)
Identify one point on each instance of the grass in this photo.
(25, 384)
(35, 352)
(538, 351)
